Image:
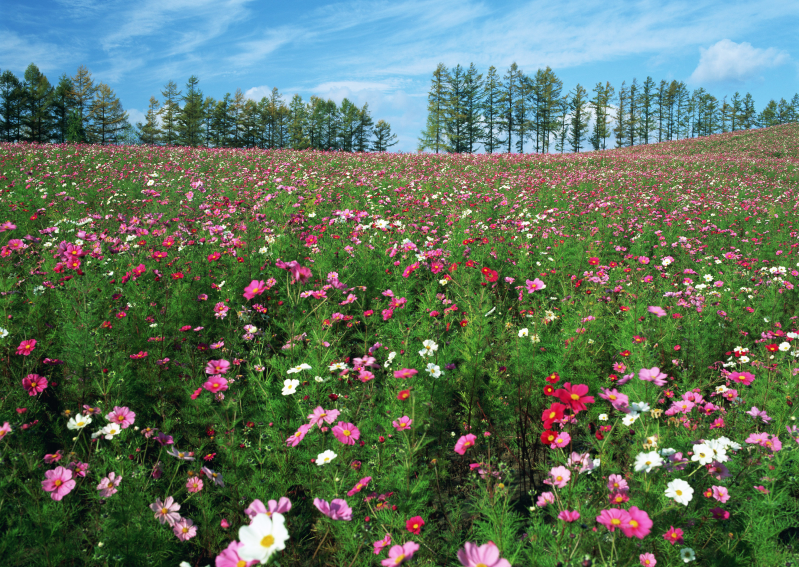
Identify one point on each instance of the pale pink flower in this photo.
(402, 423)
(613, 518)
(347, 433)
(184, 529)
(338, 509)
(216, 383)
(108, 486)
(721, 494)
(58, 482)
(545, 498)
(299, 435)
(319, 415)
(229, 557)
(656, 311)
(381, 543)
(559, 476)
(122, 416)
(166, 512)
(487, 555)
(194, 484)
(464, 442)
(400, 554)
(217, 367)
(569, 516)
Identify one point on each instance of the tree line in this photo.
(77, 110)
(466, 111)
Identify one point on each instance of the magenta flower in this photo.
(166, 512)
(122, 416)
(26, 347)
(194, 484)
(613, 518)
(229, 557)
(319, 415)
(217, 367)
(347, 433)
(559, 476)
(381, 543)
(569, 516)
(617, 483)
(402, 423)
(562, 439)
(653, 375)
(673, 535)
(300, 274)
(34, 384)
(720, 513)
(299, 435)
(108, 486)
(545, 498)
(464, 443)
(647, 560)
(535, 285)
(400, 554)
(184, 529)
(487, 555)
(216, 383)
(58, 482)
(336, 510)
(656, 311)
(638, 525)
(744, 378)
(360, 485)
(405, 373)
(256, 287)
(721, 494)
(575, 396)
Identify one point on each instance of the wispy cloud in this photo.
(727, 61)
(18, 51)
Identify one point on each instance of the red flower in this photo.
(549, 390)
(491, 276)
(415, 524)
(624, 353)
(553, 378)
(547, 437)
(553, 414)
(575, 396)
(772, 347)
(404, 395)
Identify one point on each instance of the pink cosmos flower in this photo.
(402, 423)
(299, 435)
(464, 442)
(673, 535)
(34, 384)
(217, 367)
(638, 525)
(400, 554)
(319, 415)
(194, 484)
(647, 560)
(613, 518)
(166, 512)
(122, 416)
(381, 543)
(256, 287)
(108, 486)
(535, 285)
(216, 383)
(487, 555)
(545, 498)
(656, 311)
(26, 347)
(721, 494)
(583, 460)
(300, 274)
(559, 476)
(561, 440)
(58, 482)
(360, 485)
(617, 483)
(5, 429)
(719, 513)
(744, 378)
(214, 476)
(569, 516)
(230, 557)
(338, 509)
(762, 489)
(347, 433)
(653, 375)
(53, 458)
(184, 529)
(405, 373)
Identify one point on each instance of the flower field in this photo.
(243, 357)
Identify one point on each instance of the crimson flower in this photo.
(575, 396)
(414, 525)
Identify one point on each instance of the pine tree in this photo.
(107, 116)
(621, 115)
(350, 119)
(59, 110)
(646, 105)
(768, 116)
(150, 132)
(491, 111)
(547, 103)
(249, 120)
(76, 133)
(332, 123)
(662, 105)
(633, 113)
(315, 110)
(795, 107)
(784, 112)
(749, 115)
(473, 97)
(12, 95)
(601, 106)
(384, 139)
(169, 113)
(190, 117)
(578, 107)
(433, 136)
(364, 131)
(297, 124)
(82, 94)
(236, 109)
(38, 98)
(562, 130)
(508, 101)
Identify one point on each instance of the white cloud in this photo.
(727, 61)
(257, 93)
(17, 52)
(135, 115)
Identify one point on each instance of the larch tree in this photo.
(82, 94)
(647, 104)
(509, 101)
(492, 89)
(578, 108)
(12, 98)
(169, 113)
(523, 119)
(455, 111)
(208, 120)
(297, 124)
(433, 136)
(150, 132)
(108, 117)
(350, 119)
(633, 114)
(749, 114)
(473, 97)
(190, 118)
(384, 139)
(60, 109)
(621, 115)
(600, 104)
(36, 123)
(364, 131)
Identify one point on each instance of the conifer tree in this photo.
(784, 112)
(522, 120)
(61, 105)
(578, 107)
(562, 129)
(332, 123)
(600, 104)
(632, 113)
(473, 98)
(350, 119)
(508, 102)
(661, 109)
(236, 109)
(455, 117)
(38, 94)
(647, 104)
(621, 115)
(222, 122)
(384, 139)
(548, 104)
(190, 117)
(297, 124)
(108, 117)
(491, 111)
(749, 114)
(150, 132)
(209, 104)
(364, 131)
(169, 113)
(433, 136)
(315, 110)
(735, 113)
(12, 96)
(82, 95)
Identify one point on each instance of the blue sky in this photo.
(384, 53)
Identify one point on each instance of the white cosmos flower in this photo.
(298, 368)
(324, 458)
(79, 422)
(629, 419)
(110, 431)
(290, 386)
(434, 370)
(318, 378)
(337, 366)
(785, 347)
(703, 454)
(263, 537)
(429, 348)
(647, 461)
(524, 332)
(680, 491)
(603, 417)
(687, 554)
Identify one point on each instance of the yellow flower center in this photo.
(185, 530)
(399, 559)
(268, 541)
(346, 432)
(612, 397)
(164, 511)
(58, 483)
(615, 521)
(575, 397)
(678, 492)
(559, 478)
(633, 523)
(242, 563)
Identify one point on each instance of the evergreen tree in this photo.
(784, 112)
(633, 117)
(36, 122)
(491, 111)
(76, 133)
(350, 119)
(169, 113)
(473, 98)
(12, 96)
(725, 115)
(150, 132)
(190, 117)
(236, 109)
(298, 139)
(508, 102)
(384, 139)
(621, 115)
(523, 120)
(601, 107)
(364, 131)
(735, 113)
(547, 104)
(208, 120)
(332, 122)
(107, 116)
(749, 116)
(222, 122)
(82, 95)
(433, 136)
(127, 135)
(59, 110)
(578, 107)
(661, 112)
(249, 121)
(315, 112)
(683, 110)
(768, 116)
(562, 130)
(455, 111)
(647, 104)
(795, 107)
